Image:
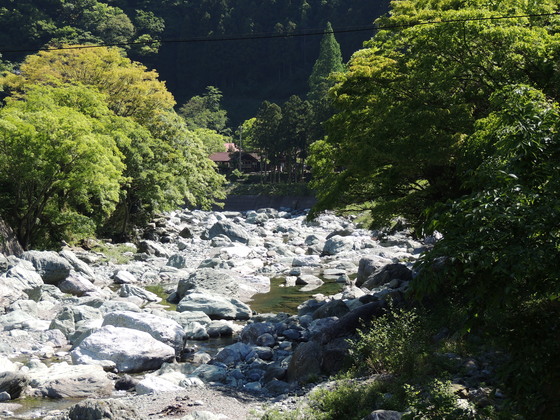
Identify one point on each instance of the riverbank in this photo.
(73, 320)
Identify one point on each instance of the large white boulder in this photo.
(127, 349)
(162, 329)
(230, 229)
(219, 282)
(51, 266)
(19, 282)
(62, 380)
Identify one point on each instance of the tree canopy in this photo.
(60, 168)
(414, 93)
(164, 164)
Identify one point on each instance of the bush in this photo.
(354, 399)
(393, 343)
(435, 402)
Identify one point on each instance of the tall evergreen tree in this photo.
(329, 61)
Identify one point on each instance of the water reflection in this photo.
(287, 299)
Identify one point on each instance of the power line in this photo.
(302, 33)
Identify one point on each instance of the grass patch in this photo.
(116, 254)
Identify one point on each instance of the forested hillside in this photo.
(247, 71)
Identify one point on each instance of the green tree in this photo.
(213, 142)
(246, 132)
(60, 167)
(495, 262)
(166, 163)
(205, 111)
(329, 62)
(414, 93)
(265, 136)
(328, 65)
(293, 135)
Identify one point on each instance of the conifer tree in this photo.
(329, 61)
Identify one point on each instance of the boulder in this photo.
(128, 350)
(186, 233)
(306, 261)
(335, 307)
(308, 279)
(383, 415)
(230, 229)
(209, 280)
(185, 318)
(118, 305)
(156, 385)
(210, 373)
(111, 409)
(64, 321)
(124, 277)
(78, 265)
(367, 266)
(196, 331)
(22, 320)
(221, 241)
(386, 274)
(77, 285)
(334, 355)
(128, 290)
(234, 354)
(152, 248)
(221, 328)
(162, 329)
(13, 383)
(125, 383)
(338, 244)
(51, 267)
(215, 306)
(277, 387)
(253, 331)
(177, 261)
(62, 380)
(19, 282)
(305, 363)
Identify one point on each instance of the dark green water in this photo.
(287, 299)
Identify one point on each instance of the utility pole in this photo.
(240, 143)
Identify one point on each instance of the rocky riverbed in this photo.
(164, 328)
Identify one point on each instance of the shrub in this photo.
(354, 399)
(435, 401)
(393, 343)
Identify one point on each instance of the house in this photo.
(228, 161)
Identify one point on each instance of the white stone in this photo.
(130, 350)
(162, 329)
(156, 385)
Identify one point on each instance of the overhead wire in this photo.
(302, 33)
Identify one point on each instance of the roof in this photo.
(220, 157)
(227, 157)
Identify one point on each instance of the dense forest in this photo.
(246, 71)
(445, 120)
